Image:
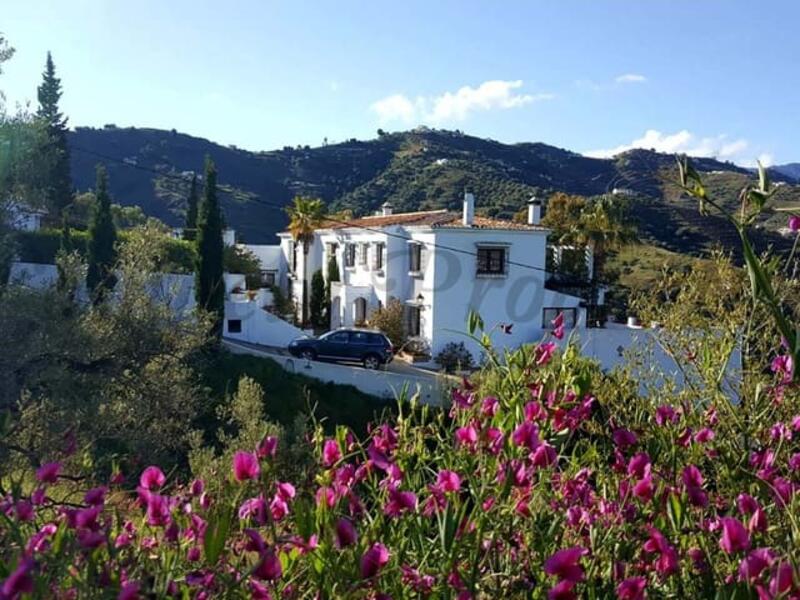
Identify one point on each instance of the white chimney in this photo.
(469, 209)
(534, 211)
(386, 208)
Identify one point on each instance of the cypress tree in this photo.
(102, 237)
(209, 283)
(190, 228)
(333, 275)
(58, 181)
(317, 304)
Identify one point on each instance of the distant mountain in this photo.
(791, 170)
(418, 169)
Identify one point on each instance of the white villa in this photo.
(439, 264)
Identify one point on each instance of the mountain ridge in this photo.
(416, 170)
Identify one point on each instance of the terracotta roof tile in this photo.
(430, 218)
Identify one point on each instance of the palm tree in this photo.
(305, 215)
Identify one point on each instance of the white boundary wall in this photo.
(383, 384)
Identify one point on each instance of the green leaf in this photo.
(474, 322)
(216, 534)
(763, 178)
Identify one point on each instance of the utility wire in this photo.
(281, 208)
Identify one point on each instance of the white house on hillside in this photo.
(440, 264)
(22, 217)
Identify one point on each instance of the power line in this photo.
(327, 218)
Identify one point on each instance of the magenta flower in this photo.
(666, 414)
(564, 564)
(129, 591)
(400, 502)
(754, 563)
(158, 511)
(644, 488)
(346, 534)
(794, 223)
(267, 447)
(783, 366)
(527, 435)
(544, 456)
(96, 495)
(152, 478)
(448, 481)
(373, 560)
(245, 466)
(331, 454)
(638, 464)
(704, 436)
(490, 406)
(467, 436)
(624, 438)
(286, 491)
(544, 352)
(632, 589)
(20, 581)
(734, 536)
(48, 473)
(783, 580)
(198, 487)
(269, 569)
(278, 508)
(558, 326)
(88, 540)
(563, 590)
(667, 562)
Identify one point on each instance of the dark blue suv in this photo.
(370, 348)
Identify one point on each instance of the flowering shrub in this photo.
(544, 479)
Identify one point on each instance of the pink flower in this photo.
(158, 512)
(129, 591)
(245, 466)
(644, 489)
(346, 534)
(89, 540)
(331, 454)
(782, 581)
(544, 456)
(400, 502)
(527, 435)
(666, 414)
(269, 568)
(490, 406)
(286, 491)
(267, 447)
(632, 589)
(783, 365)
(754, 563)
(564, 564)
(558, 326)
(704, 435)
(562, 591)
(746, 504)
(667, 562)
(20, 581)
(544, 352)
(198, 487)
(693, 480)
(638, 464)
(448, 481)
(624, 438)
(152, 478)
(48, 473)
(278, 508)
(467, 436)
(794, 223)
(96, 495)
(734, 536)
(373, 560)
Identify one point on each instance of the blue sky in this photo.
(713, 77)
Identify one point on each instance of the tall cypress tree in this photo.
(102, 237)
(58, 180)
(209, 283)
(190, 228)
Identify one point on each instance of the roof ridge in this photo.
(403, 214)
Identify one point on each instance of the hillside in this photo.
(418, 169)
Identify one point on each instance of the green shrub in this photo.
(454, 357)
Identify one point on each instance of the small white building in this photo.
(441, 265)
(22, 217)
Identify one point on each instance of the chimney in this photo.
(386, 208)
(534, 211)
(469, 209)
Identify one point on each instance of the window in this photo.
(550, 313)
(413, 321)
(360, 311)
(350, 255)
(359, 337)
(340, 337)
(234, 326)
(491, 261)
(415, 257)
(362, 257)
(268, 278)
(380, 248)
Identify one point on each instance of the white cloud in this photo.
(630, 78)
(684, 142)
(454, 106)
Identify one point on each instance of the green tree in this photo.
(67, 247)
(318, 299)
(333, 276)
(190, 227)
(59, 188)
(305, 216)
(238, 259)
(102, 237)
(209, 281)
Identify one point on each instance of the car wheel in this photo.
(308, 354)
(371, 362)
